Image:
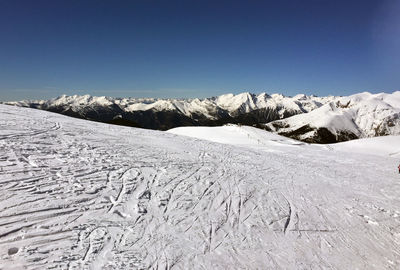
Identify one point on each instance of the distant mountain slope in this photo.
(306, 118)
(164, 114)
(357, 116)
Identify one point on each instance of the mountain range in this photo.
(307, 118)
(164, 114)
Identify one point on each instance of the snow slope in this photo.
(382, 146)
(85, 195)
(357, 116)
(243, 136)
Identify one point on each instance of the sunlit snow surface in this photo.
(85, 195)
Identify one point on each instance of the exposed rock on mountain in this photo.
(306, 118)
(164, 114)
(346, 118)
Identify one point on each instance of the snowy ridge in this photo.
(79, 194)
(233, 104)
(357, 116)
(306, 118)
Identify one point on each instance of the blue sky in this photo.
(151, 48)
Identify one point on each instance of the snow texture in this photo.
(77, 194)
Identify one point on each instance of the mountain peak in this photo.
(362, 114)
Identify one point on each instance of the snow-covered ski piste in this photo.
(77, 194)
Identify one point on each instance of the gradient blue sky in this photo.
(153, 48)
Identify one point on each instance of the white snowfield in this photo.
(246, 136)
(84, 195)
(243, 136)
(382, 146)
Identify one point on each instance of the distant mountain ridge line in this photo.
(228, 102)
(163, 114)
(321, 118)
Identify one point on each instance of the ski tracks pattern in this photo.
(84, 195)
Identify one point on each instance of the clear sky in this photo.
(151, 48)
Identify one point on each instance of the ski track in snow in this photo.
(84, 195)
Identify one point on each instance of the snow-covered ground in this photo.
(246, 136)
(243, 136)
(85, 195)
(382, 146)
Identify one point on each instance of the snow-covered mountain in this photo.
(306, 118)
(345, 118)
(164, 114)
(78, 194)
